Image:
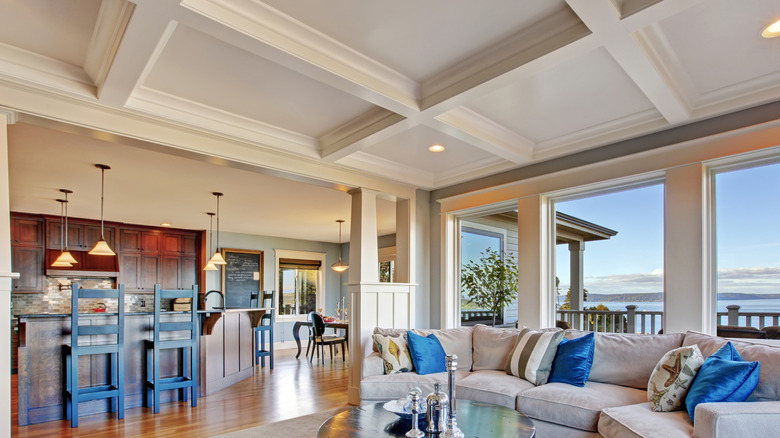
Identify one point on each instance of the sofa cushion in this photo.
(427, 354)
(532, 357)
(574, 406)
(672, 378)
(492, 347)
(394, 386)
(627, 359)
(767, 352)
(394, 353)
(455, 341)
(640, 421)
(387, 332)
(573, 361)
(724, 377)
(491, 386)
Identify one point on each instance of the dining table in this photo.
(335, 324)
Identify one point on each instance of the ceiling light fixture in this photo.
(58, 262)
(436, 148)
(65, 256)
(210, 266)
(101, 247)
(771, 31)
(165, 224)
(339, 266)
(217, 258)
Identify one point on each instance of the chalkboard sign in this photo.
(242, 276)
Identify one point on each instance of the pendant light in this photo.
(339, 266)
(65, 256)
(61, 263)
(217, 258)
(101, 247)
(210, 266)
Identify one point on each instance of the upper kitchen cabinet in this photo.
(27, 254)
(81, 236)
(145, 241)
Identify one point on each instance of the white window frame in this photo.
(301, 255)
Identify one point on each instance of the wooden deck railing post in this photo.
(733, 314)
(631, 308)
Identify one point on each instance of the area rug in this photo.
(305, 426)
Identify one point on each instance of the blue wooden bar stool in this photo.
(163, 339)
(105, 339)
(266, 326)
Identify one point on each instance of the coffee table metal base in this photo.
(474, 419)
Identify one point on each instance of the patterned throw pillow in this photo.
(672, 378)
(533, 355)
(394, 352)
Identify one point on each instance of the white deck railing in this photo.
(614, 321)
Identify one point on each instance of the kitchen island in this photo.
(226, 351)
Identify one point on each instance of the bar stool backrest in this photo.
(118, 329)
(191, 325)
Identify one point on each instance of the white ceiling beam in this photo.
(113, 17)
(604, 21)
(303, 49)
(144, 38)
(352, 136)
(476, 129)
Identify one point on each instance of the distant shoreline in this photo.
(657, 297)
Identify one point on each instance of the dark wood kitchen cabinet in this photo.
(81, 236)
(27, 253)
(152, 256)
(138, 272)
(145, 241)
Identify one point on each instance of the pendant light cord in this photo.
(217, 221)
(66, 221)
(62, 223)
(102, 191)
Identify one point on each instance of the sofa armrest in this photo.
(373, 365)
(723, 420)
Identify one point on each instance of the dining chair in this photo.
(319, 339)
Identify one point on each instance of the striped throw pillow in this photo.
(533, 355)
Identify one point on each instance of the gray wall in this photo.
(267, 244)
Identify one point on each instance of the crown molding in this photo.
(10, 115)
(469, 171)
(27, 67)
(170, 107)
(609, 132)
(390, 169)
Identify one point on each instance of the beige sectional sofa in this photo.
(613, 403)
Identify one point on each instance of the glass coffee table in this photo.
(474, 419)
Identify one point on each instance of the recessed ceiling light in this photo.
(165, 224)
(771, 31)
(436, 148)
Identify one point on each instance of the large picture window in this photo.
(300, 283)
(747, 204)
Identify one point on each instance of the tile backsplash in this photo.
(56, 299)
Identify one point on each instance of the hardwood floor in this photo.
(292, 389)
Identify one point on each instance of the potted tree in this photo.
(490, 283)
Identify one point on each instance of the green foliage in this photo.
(490, 283)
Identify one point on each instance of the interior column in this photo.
(6, 118)
(363, 269)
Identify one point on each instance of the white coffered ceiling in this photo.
(354, 91)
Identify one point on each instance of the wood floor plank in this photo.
(292, 389)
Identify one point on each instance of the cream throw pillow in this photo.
(672, 377)
(394, 351)
(533, 355)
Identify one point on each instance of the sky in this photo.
(748, 236)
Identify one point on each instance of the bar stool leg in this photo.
(120, 375)
(111, 364)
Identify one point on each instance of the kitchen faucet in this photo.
(214, 292)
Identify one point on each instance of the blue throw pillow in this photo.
(428, 355)
(724, 377)
(573, 360)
